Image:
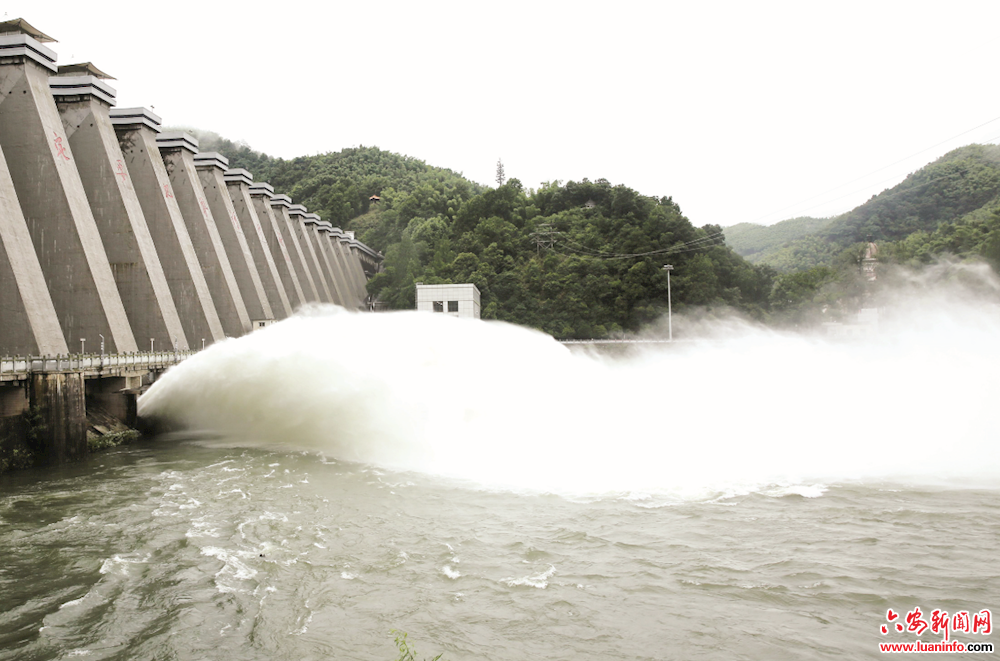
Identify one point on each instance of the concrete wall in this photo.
(178, 159)
(181, 267)
(261, 194)
(323, 256)
(238, 185)
(134, 261)
(355, 273)
(337, 268)
(28, 324)
(44, 172)
(289, 227)
(211, 168)
(110, 231)
(307, 239)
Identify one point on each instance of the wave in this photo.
(509, 407)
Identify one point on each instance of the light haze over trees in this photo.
(584, 259)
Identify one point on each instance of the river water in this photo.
(752, 496)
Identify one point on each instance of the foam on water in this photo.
(508, 407)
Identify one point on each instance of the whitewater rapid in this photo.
(741, 409)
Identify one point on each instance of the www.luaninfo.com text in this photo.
(942, 646)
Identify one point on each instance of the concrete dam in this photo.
(124, 249)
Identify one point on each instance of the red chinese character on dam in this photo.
(60, 148)
(121, 170)
(166, 191)
(204, 206)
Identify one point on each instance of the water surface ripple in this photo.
(186, 550)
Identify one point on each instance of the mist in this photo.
(731, 407)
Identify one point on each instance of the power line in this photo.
(544, 236)
(848, 183)
(707, 241)
(907, 190)
(687, 246)
(897, 193)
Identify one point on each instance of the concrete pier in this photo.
(136, 130)
(355, 274)
(313, 223)
(261, 194)
(280, 206)
(28, 321)
(59, 402)
(323, 230)
(211, 167)
(307, 238)
(44, 173)
(238, 182)
(84, 102)
(47, 402)
(336, 236)
(178, 150)
(356, 248)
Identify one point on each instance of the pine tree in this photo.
(500, 176)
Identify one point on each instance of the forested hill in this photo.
(758, 242)
(338, 185)
(957, 190)
(576, 260)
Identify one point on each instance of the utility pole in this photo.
(670, 313)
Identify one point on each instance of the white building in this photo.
(455, 300)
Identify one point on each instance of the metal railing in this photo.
(615, 341)
(15, 368)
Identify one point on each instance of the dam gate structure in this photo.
(125, 250)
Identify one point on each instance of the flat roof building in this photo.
(455, 300)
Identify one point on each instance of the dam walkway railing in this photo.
(19, 368)
(609, 341)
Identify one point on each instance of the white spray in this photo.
(511, 408)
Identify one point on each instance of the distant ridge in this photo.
(963, 181)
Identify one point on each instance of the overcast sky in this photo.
(741, 111)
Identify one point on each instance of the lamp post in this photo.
(670, 312)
